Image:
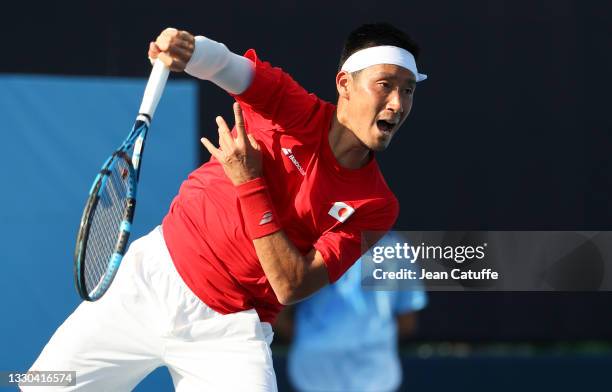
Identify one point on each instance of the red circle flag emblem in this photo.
(341, 211)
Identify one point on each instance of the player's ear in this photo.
(343, 81)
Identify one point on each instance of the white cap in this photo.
(382, 55)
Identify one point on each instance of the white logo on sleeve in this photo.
(287, 152)
(266, 218)
(341, 211)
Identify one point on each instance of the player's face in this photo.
(380, 100)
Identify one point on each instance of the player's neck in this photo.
(349, 151)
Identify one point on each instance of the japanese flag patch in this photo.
(341, 211)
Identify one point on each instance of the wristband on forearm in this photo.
(211, 60)
(258, 212)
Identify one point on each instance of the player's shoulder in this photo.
(267, 77)
(382, 187)
(382, 198)
(385, 203)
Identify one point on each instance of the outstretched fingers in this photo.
(253, 142)
(239, 121)
(214, 151)
(226, 141)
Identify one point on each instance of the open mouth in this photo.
(385, 126)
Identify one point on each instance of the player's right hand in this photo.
(173, 47)
(240, 156)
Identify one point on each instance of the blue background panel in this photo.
(56, 133)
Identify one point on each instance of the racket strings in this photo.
(105, 222)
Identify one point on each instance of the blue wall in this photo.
(55, 133)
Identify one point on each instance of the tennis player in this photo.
(277, 213)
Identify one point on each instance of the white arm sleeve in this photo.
(211, 60)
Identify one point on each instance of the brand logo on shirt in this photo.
(289, 154)
(341, 211)
(265, 218)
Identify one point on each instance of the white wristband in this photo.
(211, 60)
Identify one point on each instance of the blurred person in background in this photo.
(345, 338)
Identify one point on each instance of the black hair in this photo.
(377, 34)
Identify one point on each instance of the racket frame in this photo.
(136, 137)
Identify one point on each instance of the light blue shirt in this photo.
(346, 338)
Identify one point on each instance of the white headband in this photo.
(382, 55)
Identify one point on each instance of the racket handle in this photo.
(154, 89)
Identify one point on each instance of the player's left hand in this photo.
(240, 157)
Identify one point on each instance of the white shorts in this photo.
(150, 318)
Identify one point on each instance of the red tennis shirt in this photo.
(318, 203)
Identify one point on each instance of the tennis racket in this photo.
(107, 218)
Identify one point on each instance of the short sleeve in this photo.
(275, 96)
(342, 246)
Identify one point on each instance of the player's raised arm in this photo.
(203, 58)
(268, 90)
